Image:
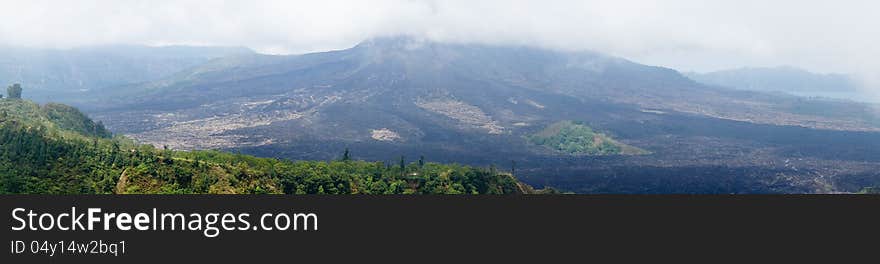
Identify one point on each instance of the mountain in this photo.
(55, 149)
(782, 79)
(545, 113)
(54, 74)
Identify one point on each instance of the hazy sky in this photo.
(702, 35)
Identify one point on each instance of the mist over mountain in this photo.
(579, 121)
(70, 74)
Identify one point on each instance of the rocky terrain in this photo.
(468, 115)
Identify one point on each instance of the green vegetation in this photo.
(575, 138)
(870, 190)
(70, 118)
(53, 116)
(55, 149)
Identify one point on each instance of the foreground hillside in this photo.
(55, 149)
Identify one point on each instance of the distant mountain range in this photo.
(69, 74)
(579, 121)
(785, 79)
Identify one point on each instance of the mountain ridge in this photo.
(778, 79)
(79, 73)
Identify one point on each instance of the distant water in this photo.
(858, 97)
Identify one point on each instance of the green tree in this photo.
(14, 91)
(402, 167)
(167, 154)
(513, 167)
(346, 156)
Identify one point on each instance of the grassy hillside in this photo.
(55, 149)
(55, 117)
(575, 138)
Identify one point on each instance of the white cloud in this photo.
(825, 36)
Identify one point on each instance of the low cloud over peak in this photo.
(690, 35)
